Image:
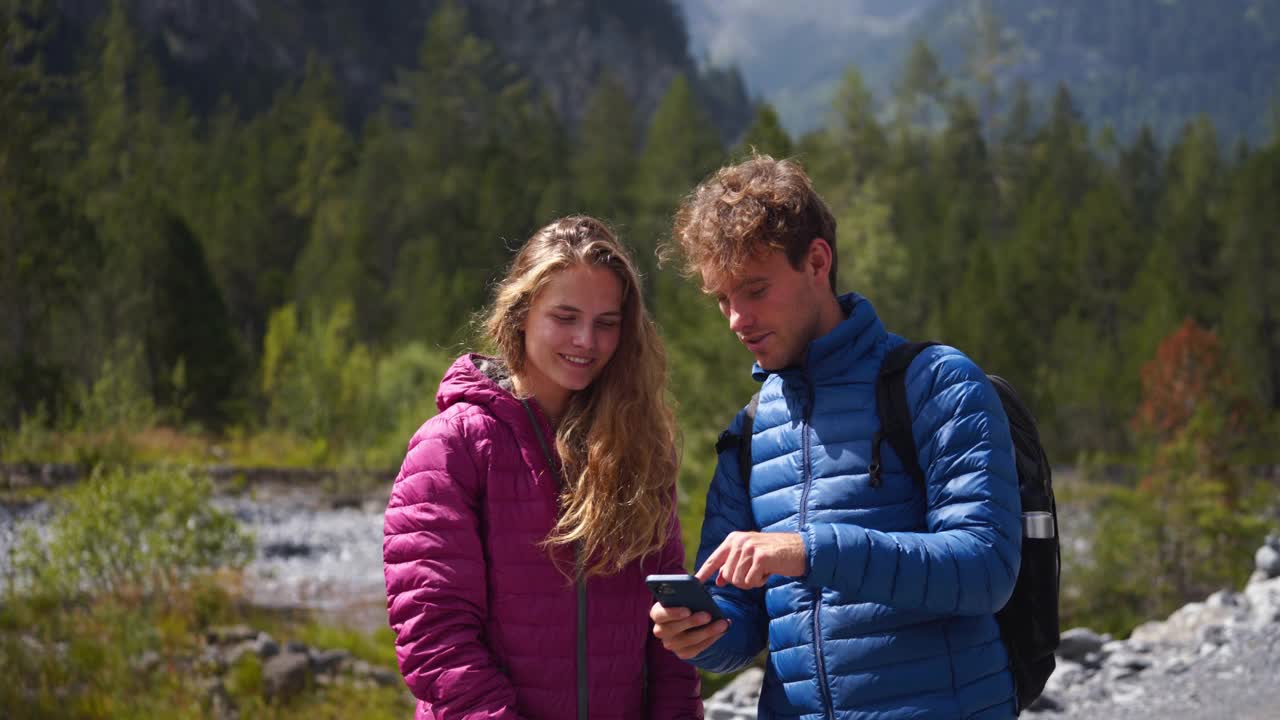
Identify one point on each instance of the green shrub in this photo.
(244, 678)
(145, 535)
(354, 407)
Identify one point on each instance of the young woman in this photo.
(528, 512)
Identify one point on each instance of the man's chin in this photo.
(766, 362)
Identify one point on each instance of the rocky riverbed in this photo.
(315, 553)
(1219, 658)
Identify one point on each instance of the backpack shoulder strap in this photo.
(892, 407)
(742, 442)
(744, 448)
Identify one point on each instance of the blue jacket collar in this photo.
(855, 336)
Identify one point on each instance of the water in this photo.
(312, 556)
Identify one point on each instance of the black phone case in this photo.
(672, 591)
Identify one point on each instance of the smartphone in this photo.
(687, 591)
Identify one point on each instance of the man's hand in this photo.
(747, 559)
(683, 633)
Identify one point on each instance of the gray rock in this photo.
(147, 662)
(286, 675)
(1093, 660)
(1267, 560)
(1214, 633)
(328, 661)
(1227, 599)
(1047, 702)
(1128, 660)
(265, 646)
(384, 677)
(229, 634)
(1077, 643)
(739, 699)
(232, 655)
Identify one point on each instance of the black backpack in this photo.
(1029, 621)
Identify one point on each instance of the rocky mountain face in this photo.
(1126, 62)
(794, 54)
(248, 48)
(1210, 659)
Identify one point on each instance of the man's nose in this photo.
(738, 320)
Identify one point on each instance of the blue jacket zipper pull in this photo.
(874, 469)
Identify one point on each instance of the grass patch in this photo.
(377, 647)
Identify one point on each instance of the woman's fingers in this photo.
(690, 642)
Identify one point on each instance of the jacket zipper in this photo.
(579, 585)
(823, 688)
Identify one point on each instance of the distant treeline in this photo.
(280, 272)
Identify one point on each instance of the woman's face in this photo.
(570, 334)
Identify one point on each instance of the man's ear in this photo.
(818, 261)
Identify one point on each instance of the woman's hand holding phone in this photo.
(684, 632)
(686, 618)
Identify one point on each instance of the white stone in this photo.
(1267, 559)
(1065, 674)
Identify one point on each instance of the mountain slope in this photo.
(793, 54)
(248, 48)
(1126, 62)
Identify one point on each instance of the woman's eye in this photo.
(758, 292)
(607, 324)
(563, 319)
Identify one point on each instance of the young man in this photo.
(876, 597)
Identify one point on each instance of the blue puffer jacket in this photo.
(895, 616)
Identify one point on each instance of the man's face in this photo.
(772, 307)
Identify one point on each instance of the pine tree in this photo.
(858, 144)
(604, 161)
(48, 252)
(1189, 223)
(328, 268)
(194, 356)
(1250, 257)
(765, 135)
(681, 147)
(921, 90)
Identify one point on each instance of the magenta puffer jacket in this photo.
(486, 625)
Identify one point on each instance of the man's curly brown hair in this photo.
(743, 210)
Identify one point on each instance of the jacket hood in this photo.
(486, 382)
(478, 380)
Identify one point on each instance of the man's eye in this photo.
(757, 292)
(563, 319)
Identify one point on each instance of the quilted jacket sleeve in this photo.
(967, 562)
(729, 510)
(435, 575)
(674, 686)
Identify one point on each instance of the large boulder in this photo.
(286, 675)
(1078, 643)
